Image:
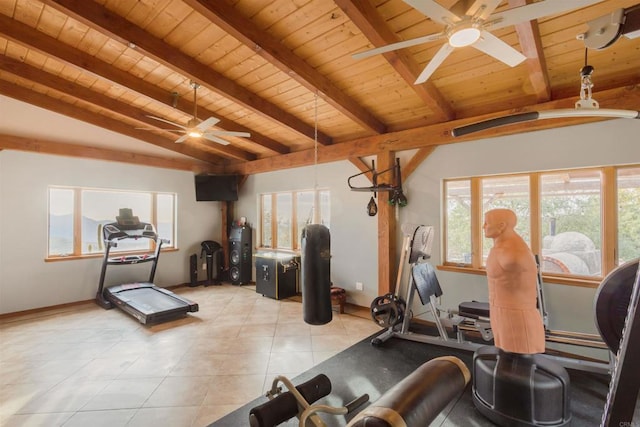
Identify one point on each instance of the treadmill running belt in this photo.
(150, 300)
(148, 303)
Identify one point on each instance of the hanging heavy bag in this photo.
(316, 274)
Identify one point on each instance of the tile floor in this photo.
(84, 366)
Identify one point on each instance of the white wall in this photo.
(354, 234)
(27, 281)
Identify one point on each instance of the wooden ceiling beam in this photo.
(440, 133)
(61, 107)
(43, 146)
(118, 28)
(46, 45)
(244, 30)
(82, 93)
(531, 44)
(376, 30)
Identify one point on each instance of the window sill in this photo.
(276, 250)
(584, 282)
(101, 255)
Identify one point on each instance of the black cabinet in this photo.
(277, 274)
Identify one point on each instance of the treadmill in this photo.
(146, 302)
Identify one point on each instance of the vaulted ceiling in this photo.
(283, 71)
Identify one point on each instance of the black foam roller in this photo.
(316, 274)
(285, 405)
(418, 399)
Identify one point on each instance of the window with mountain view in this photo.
(76, 217)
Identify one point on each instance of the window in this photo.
(570, 221)
(283, 217)
(628, 232)
(284, 213)
(76, 217)
(582, 223)
(265, 221)
(458, 221)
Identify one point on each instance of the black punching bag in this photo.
(316, 274)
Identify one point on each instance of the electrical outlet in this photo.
(359, 286)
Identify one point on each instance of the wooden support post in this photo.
(386, 227)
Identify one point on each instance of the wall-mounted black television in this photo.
(216, 188)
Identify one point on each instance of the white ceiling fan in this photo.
(199, 129)
(468, 24)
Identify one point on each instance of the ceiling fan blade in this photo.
(481, 9)
(230, 133)
(533, 11)
(435, 62)
(166, 121)
(211, 121)
(182, 139)
(215, 139)
(165, 130)
(434, 11)
(396, 46)
(493, 46)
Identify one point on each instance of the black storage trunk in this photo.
(277, 274)
(520, 390)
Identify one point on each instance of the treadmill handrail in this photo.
(127, 236)
(106, 261)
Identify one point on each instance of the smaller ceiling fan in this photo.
(199, 129)
(468, 24)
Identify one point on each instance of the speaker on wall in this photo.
(240, 255)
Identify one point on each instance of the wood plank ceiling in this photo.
(283, 71)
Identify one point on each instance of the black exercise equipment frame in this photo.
(122, 296)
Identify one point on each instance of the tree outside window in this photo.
(458, 221)
(571, 218)
(582, 223)
(628, 230)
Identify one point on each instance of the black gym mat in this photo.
(363, 368)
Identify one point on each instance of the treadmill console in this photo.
(113, 231)
(128, 226)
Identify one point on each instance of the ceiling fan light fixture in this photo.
(465, 35)
(195, 133)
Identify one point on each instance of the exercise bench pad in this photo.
(425, 281)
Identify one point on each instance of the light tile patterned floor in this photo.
(84, 366)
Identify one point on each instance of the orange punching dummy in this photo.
(512, 276)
